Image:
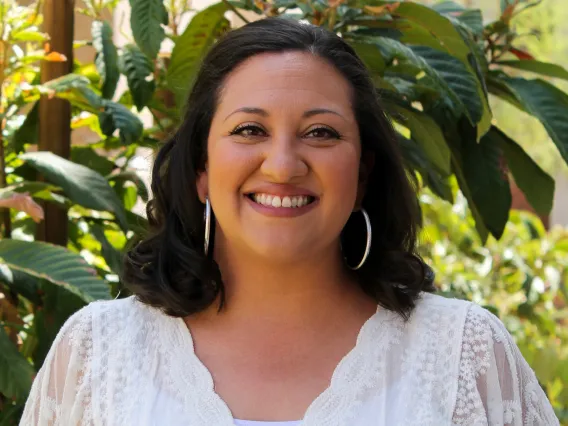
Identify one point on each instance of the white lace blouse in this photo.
(122, 363)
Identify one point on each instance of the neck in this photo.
(316, 285)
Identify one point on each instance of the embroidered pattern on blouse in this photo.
(452, 363)
(494, 377)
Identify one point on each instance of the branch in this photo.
(234, 9)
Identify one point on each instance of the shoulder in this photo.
(453, 312)
(105, 319)
(459, 325)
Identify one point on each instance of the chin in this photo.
(282, 250)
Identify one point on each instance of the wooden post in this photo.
(55, 114)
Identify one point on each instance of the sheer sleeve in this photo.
(496, 386)
(61, 392)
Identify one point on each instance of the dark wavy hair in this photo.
(169, 270)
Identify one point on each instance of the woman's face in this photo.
(283, 157)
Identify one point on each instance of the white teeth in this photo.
(277, 201)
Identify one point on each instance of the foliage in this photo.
(434, 68)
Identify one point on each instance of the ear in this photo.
(365, 169)
(202, 185)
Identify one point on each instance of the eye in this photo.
(323, 132)
(248, 130)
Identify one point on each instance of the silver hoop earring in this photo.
(207, 219)
(368, 244)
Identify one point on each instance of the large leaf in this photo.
(56, 265)
(75, 88)
(131, 176)
(426, 132)
(191, 47)
(86, 156)
(28, 132)
(547, 103)
(459, 78)
(485, 172)
(16, 374)
(415, 159)
(544, 68)
(440, 71)
(21, 283)
(116, 116)
(106, 59)
(81, 184)
(535, 183)
(371, 56)
(112, 256)
(139, 72)
(473, 19)
(424, 26)
(146, 20)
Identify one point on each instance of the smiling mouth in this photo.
(288, 202)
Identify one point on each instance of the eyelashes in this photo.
(250, 130)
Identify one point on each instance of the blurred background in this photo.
(477, 91)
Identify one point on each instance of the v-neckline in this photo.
(210, 408)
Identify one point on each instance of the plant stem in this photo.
(6, 219)
(234, 9)
(157, 120)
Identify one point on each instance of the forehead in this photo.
(278, 79)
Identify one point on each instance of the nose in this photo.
(282, 161)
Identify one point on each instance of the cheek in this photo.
(229, 166)
(339, 175)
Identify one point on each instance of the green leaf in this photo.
(484, 170)
(473, 19)
(426, 132)
(191, 47)
(116, 116)
(371, 56)
(137, 223)
(21, 283)
(432, 25)
(496, 86)
(544, 68)
(28, 35)
(75, 88)
(448, 7)
(139, 73)
(415, 159)
(535, 183)
(28, 132)
(462, 82)
(16, 374)
(146, 20)
(106, 59)
(81, 184)
(87, 157)
(394, 51)
(131, 176)
(56, 265)
(112, 256)
(547, 103)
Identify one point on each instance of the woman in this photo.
(299, 300)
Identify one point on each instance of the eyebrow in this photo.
(307, 114)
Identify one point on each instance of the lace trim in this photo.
(487, 345)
